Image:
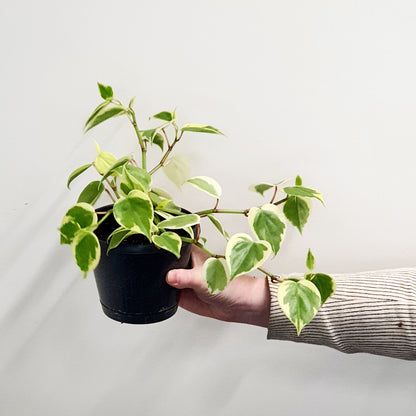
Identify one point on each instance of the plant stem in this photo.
(142, 143)
(109, 194)
(103, 218)
(167, 153)
(221, 211)
(273, 276)
(282, 200)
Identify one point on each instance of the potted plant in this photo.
(131, 243)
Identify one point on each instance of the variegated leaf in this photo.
(300, 301)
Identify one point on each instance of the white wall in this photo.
(323, 89)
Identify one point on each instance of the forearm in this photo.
(372, 312)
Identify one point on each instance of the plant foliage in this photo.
(141, 208)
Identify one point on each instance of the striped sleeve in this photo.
(372, 312)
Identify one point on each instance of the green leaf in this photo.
(310, 260)
(77, 172)
(106, 91)
(216, 274)
(83, 214)
(134, 177)
(154, 137)
(114, 167)
(178, 169)
(117, 237)
(105, 114)
(91, 192)
(303, 192)
(104, 161)
(159, 140)
(168, 241)
(201, 128)
(86, 251)
(162, 193)
(261, 188)
(135, 213)
(165, 115)
(300, 301)
(68, 230)
(205, 184)
(96, 111)
(180, 221)
(218, 226)
(296, 210)
(268, 223)
(298, 181)
(325, 284)
(244, 255)
(168, 206)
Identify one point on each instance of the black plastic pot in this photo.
(131, 278)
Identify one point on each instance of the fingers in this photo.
(189, 278)
(185, 279)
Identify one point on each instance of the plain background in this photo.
(324, 89)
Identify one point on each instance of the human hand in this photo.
(246, 299)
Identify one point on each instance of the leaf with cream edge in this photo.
(68, 230)
(103, 160)
(179, 222)
(104, 113)
(178, 169)
(303, 192)
(115, 168)
(300, 301)
(167, 215)
(86, 251)
(135, 213)
(216, 273)
(206, 184)
(77, 172)
(244, 255)
(268, 223)
(168, 241)
(201, 128)
(132, 178)
(83, 214)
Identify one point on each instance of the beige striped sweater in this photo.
(372, 312)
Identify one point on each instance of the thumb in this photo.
(185, 279)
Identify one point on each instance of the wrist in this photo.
(254, 305)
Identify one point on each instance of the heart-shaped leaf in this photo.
(325, 284)
(135, 213)
(133, 178)
(86, 251)
(296, 210)
(206, 184)
(216, 273)
(300, 301)
(178, 169)
(244, 255)
(268, 223)
(168, 241)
